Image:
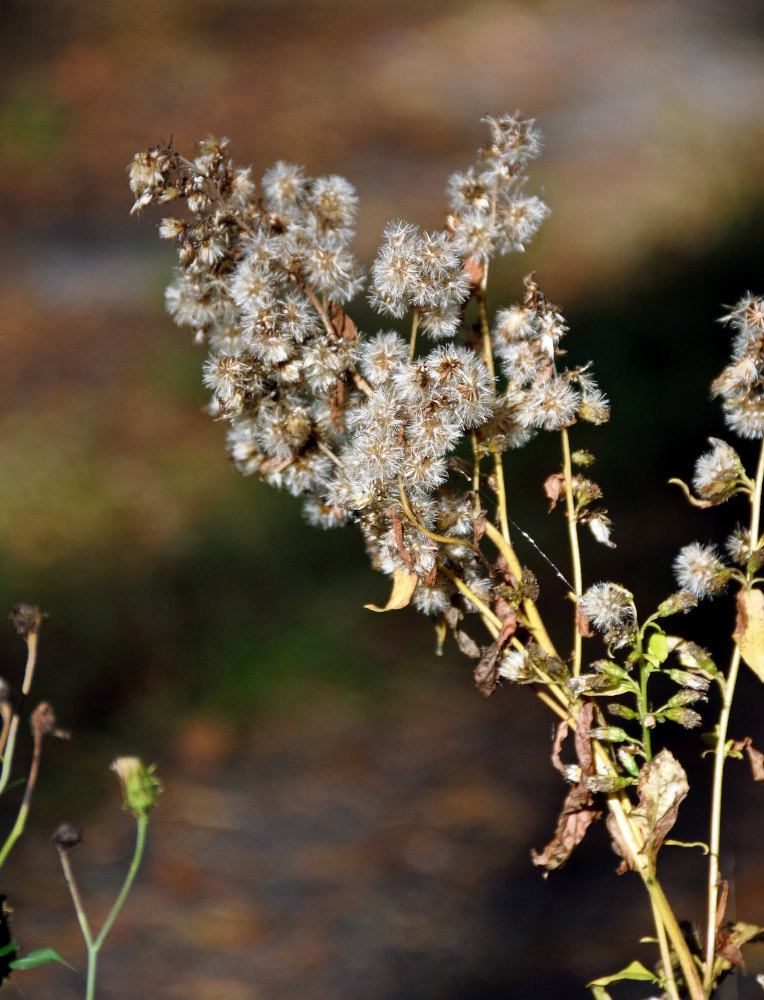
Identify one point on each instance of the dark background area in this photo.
(344, 814)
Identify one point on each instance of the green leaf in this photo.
(40, 957)
(9, 948)
(657, 648)
(635, 970)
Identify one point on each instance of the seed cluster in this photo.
(398, 435)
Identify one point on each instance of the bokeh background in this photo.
(344, 815)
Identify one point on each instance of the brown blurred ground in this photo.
(345, 848)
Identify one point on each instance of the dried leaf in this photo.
(662, 787)
(578, 811)
(403, 552)
(467, 645)
(583, 739)
(486, 673)
(478, 527)
(452, 616)
(431, 577)
(554, 487)
(473, 268)
(343, 324)
(749, 629)
(404, 584)
(755, 757)
(576, 816)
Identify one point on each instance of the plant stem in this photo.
(94, 946)
(575, 552)
(660, 929)
(31, 641)
(535, 623)
(412, 339)
(142, 822)
(720, 755)
(26, 802)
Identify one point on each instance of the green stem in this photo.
(94, 946)
(26, 802)
(142, 822)
(720, 756)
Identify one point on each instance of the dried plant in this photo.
(407, 438)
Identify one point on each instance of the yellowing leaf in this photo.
(635, 970)
(749, 629)
(404, 584)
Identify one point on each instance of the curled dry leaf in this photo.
(578, 810)
(554, 487)
(749, 629)
(755, 757)
(404, 584)
(486, 673)
(478, 527)
(403, 552)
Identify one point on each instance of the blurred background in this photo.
(344, 814)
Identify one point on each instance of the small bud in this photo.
(682, 600)
(27, 618)
(66, 836)
(611, 734)
(606, 783)
(686, 717)
(140, 787)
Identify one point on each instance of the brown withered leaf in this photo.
(661, 788)
(502, 566)
(582, 623)
(755, 757)
(403, 552)
(730, 939)
(452, 616)
(559, 738)
(343, 324)
(554, 487)
(578, 810)
(503, 610)
(577, 815)
(478, 527)
(486, 673)
(404, 584)
(473, 268)
(583, 739)
(749, 629)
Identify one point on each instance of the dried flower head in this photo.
(697, 568)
